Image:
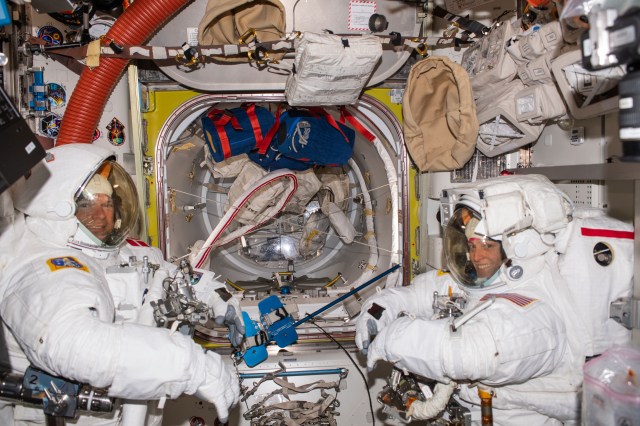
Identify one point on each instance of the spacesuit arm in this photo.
(416, 298)
(225, 307)
(385, 306)
(504, 344)
(64, 323)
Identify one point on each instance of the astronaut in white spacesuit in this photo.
(75, 297)
(520, 342)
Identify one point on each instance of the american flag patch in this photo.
(517, 299)
(137, 243)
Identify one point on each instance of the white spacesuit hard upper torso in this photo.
(517, 347)
(118, 284)
(115, 289)
(76, 311)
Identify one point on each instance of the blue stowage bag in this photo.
(235, 131)
(307, 138)
(274, 160)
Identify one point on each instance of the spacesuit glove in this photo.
(220, 386)
(380, 350)
(373, 318)
(226, 311)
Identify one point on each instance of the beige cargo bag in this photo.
(226, 21)
(440, 124)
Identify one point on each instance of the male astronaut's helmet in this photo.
(106, 206)
(472, 257)
(64, 189)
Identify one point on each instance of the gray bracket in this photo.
(626, 311)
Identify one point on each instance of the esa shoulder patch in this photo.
(58, 263)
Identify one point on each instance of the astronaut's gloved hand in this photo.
(226, 310)
(373, 317)
(377, 350)
(220, 386)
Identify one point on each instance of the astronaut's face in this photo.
(486, 256)
(97, 214)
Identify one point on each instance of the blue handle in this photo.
(344, 296)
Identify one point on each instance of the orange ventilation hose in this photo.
(135, 26)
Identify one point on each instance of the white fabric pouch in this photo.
(331, 70)
(537, 104)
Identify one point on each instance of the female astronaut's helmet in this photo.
(86, 197)
(472, 257)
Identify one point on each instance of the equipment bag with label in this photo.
(236, 131)
(312, 137)
(330, 69)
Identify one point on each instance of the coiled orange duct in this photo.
(134, 27)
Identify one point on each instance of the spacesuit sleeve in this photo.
(63, 321)
(416, 298)
(503, 344)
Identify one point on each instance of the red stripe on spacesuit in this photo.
(606, 233)
(518, 299)
(137, 243)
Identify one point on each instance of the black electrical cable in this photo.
(373, 416)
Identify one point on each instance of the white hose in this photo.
(393, 280)
(370, 234)
(424, 410)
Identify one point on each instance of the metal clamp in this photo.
(421, 48)
(189, 56)
(251, 32)
(626, 311)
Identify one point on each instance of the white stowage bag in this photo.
(308, 186)
(334, 206)
(253, 211)
(331, 70)
(340, 222)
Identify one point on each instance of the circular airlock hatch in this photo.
(192, 200)
(337, 16)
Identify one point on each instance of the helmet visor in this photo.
(106, 205)
(472, 257)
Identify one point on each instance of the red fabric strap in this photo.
(346, 115)
(264, 145)
(224, 141)
(255, 124)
